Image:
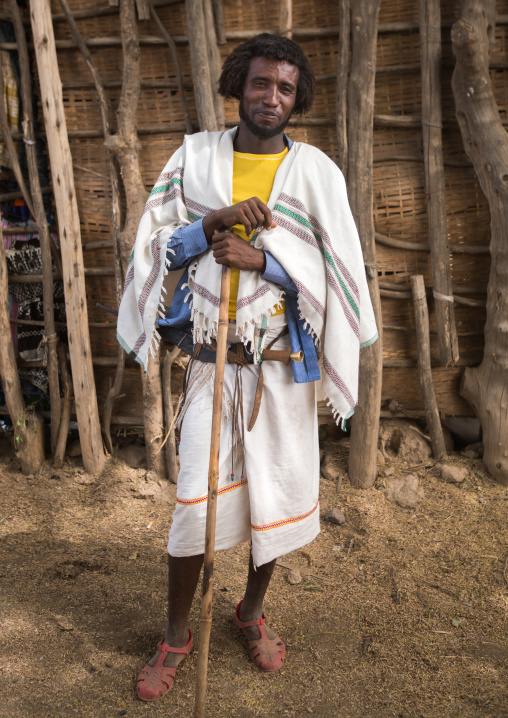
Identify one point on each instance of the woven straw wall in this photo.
(399, 185)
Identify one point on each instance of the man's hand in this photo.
(251, 213)
(228, 248)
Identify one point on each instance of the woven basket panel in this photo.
(398, 11)
(398, 49)
(256, 15)
(93, 191)
(108, 61)
(402, 385)
(319, 13)
(156, 151)
(103, 26)
(398, 94)
(500, 90)
(173, 19)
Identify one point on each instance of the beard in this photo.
(264, 133)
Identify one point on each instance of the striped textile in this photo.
(315, 241)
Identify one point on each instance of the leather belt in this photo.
(237, 353)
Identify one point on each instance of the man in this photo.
(277, 213)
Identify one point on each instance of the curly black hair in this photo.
(236, 67)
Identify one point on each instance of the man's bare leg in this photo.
(183, 577)
(252, 604)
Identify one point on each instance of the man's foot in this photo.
(266, 648)
(158, 675)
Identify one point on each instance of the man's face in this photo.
(269, 95)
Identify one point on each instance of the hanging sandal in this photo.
(267, 653)
(155, 681)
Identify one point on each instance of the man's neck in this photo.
(245, 141)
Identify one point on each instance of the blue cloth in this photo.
(189, 242)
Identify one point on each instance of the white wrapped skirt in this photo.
(268, 478)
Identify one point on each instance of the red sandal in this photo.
(155, 681)
(267, 653)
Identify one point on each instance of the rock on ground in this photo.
(473, 451)
(453, 474)
(401, 439)
(294, 577)
(336, 516)
(330, 469)
(405, 491)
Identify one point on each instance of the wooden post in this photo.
(67, 406)
(171, 461)
(198, 46)
(70, 237)
(486, 144)
(126, 146)
(153, 412)
(125, 143)
(218, 14)
(178, 68)
(115, 216)
(28, 426)
(342, 82)
(143, 7)
(286, 18)
(424, 370)
(430, 49)
(39, 215)
(365, 427)
(214, 62)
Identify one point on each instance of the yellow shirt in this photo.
(253, 176)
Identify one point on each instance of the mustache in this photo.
(260, 130)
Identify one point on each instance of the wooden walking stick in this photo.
(213, 481)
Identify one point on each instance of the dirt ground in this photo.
(400, 612)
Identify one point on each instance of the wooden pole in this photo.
(67, 406)
(39, 215)
(178, 68)
(153, 409)
(214, 62)
(286, 18)
(70, 237)
(486, 144)
(213, 481)
(365, 427)
(200, 69)
(28, 427)
(115, 216)
(342, 82)
(430, 49)
(424, 367)
(171, 461)
(218, 14)
(126, 147)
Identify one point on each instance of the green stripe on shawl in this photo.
(166, 187)
(301, 220)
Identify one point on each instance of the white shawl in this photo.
(315, 241)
